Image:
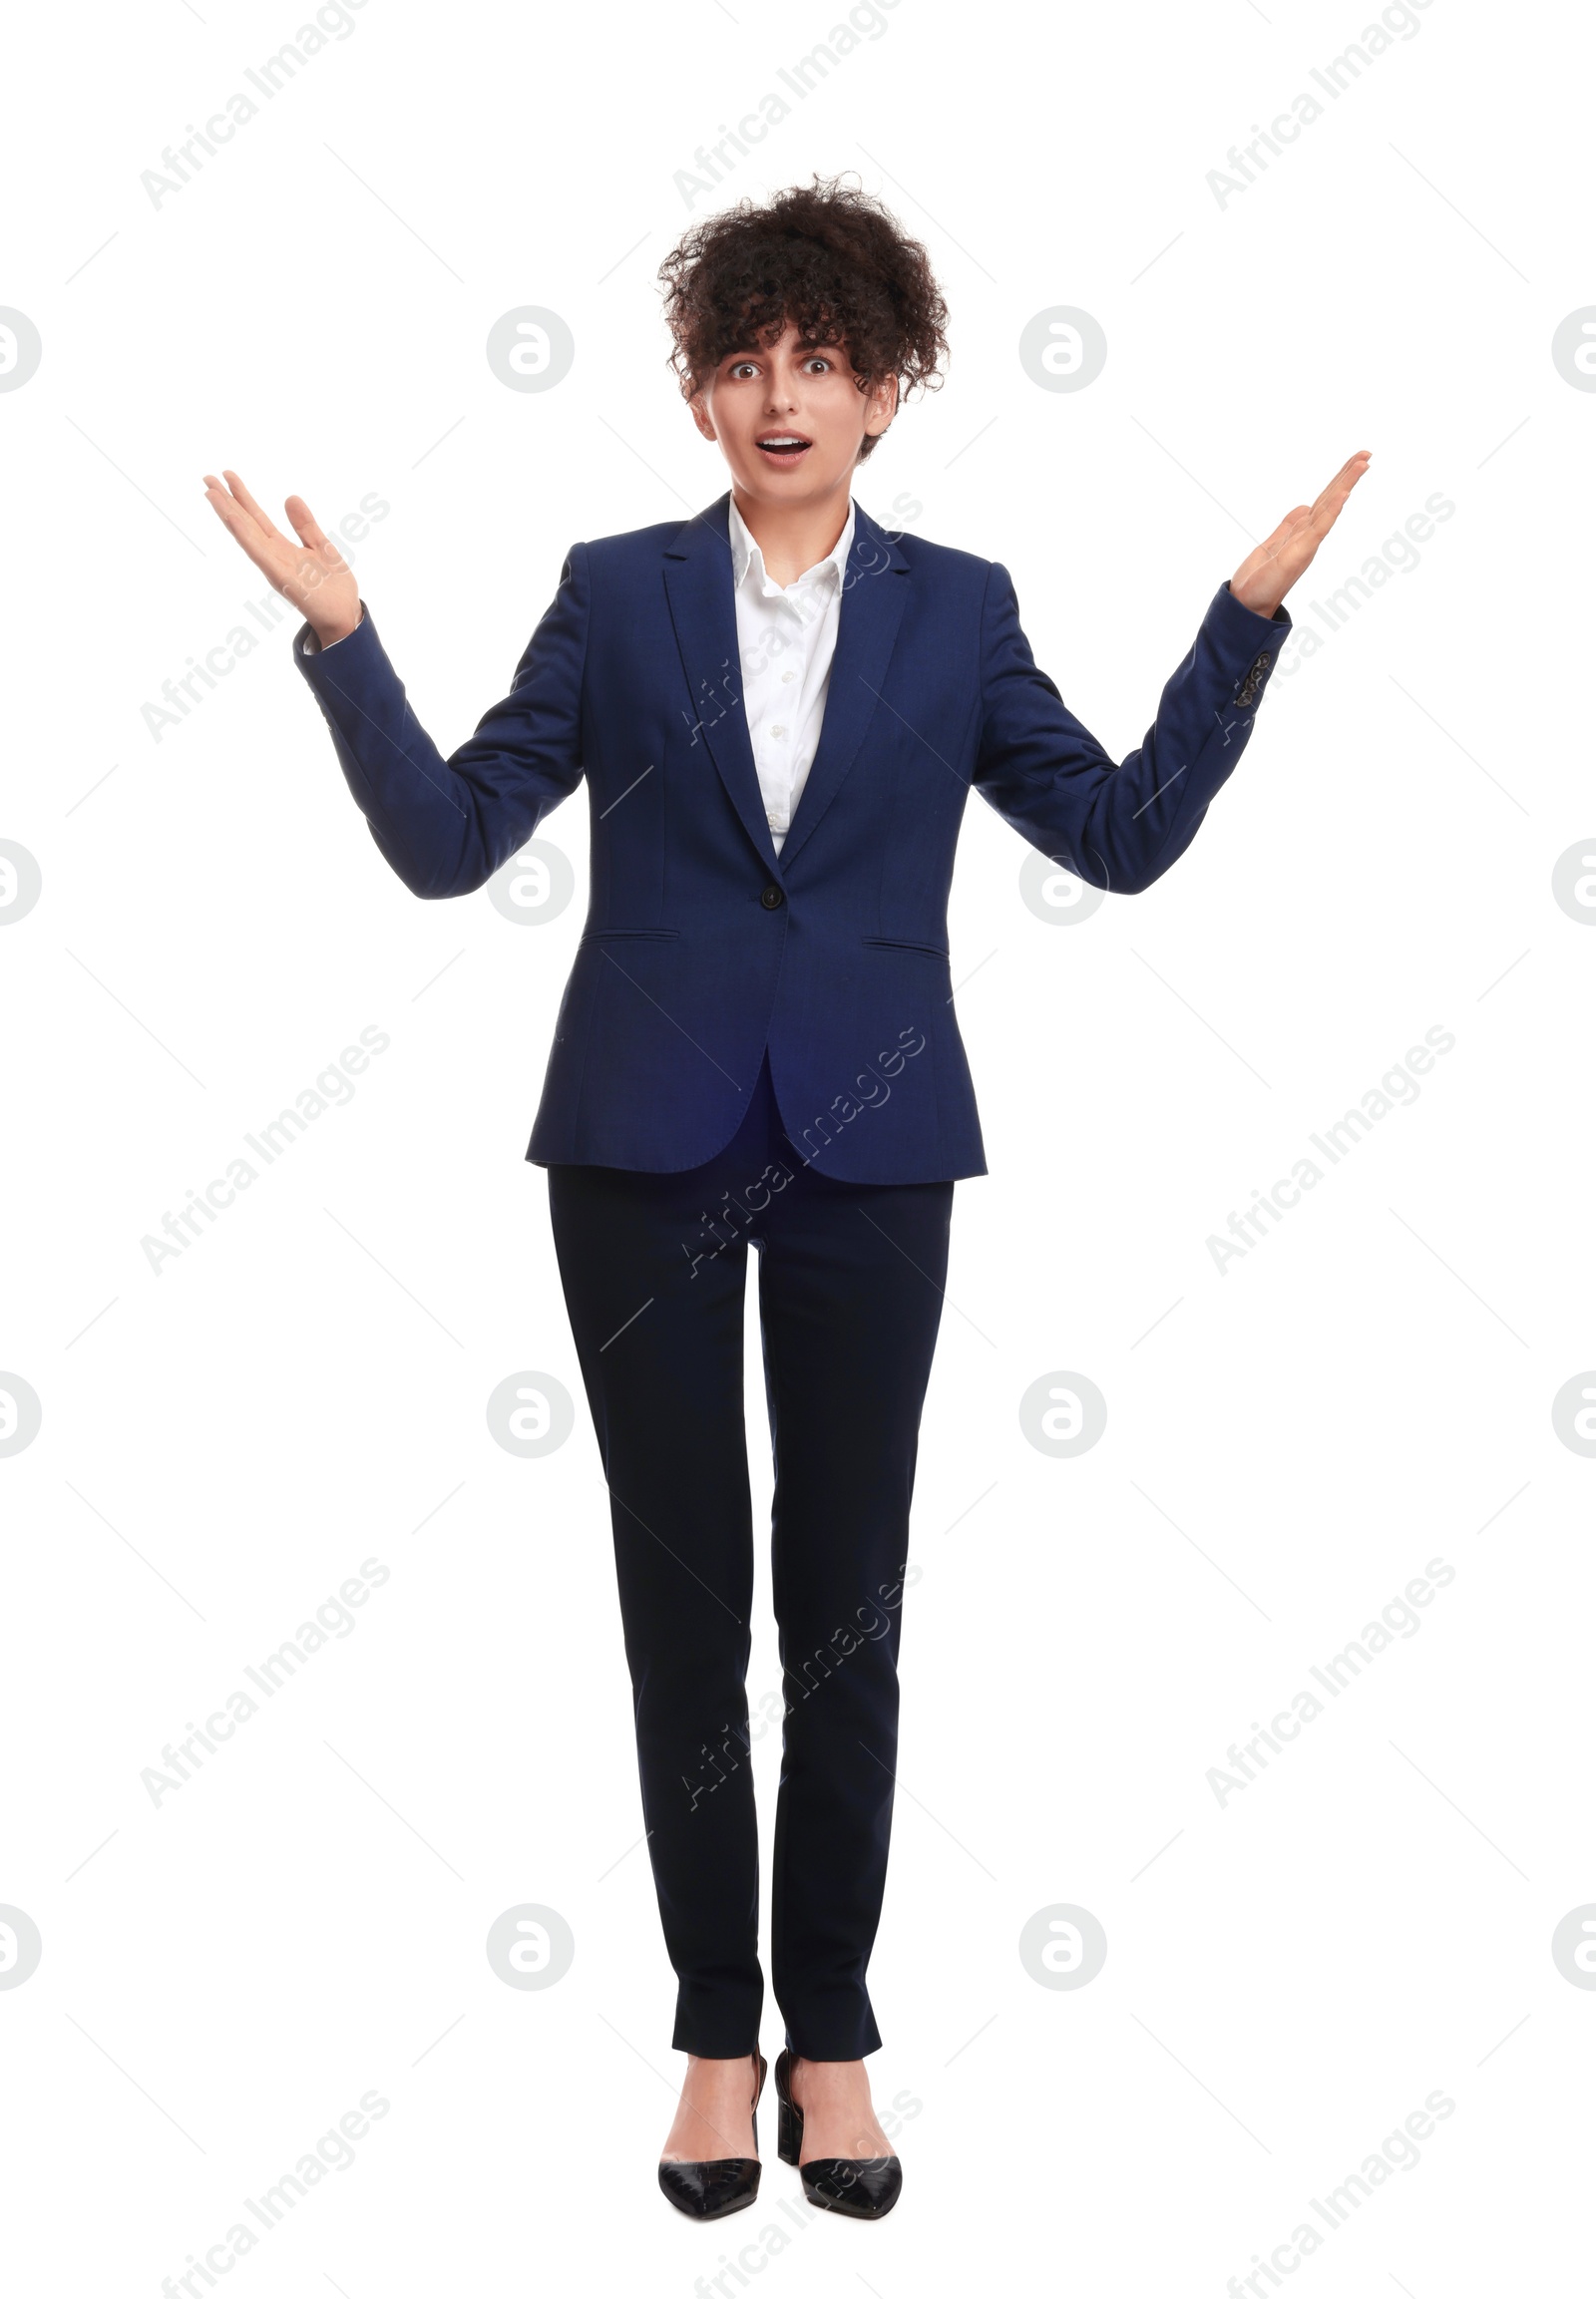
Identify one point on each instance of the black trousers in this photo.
(654, 1268)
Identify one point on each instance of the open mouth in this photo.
(784, 446)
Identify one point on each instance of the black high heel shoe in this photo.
(725, 2183)
(855, 2186)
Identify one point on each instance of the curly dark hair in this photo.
(825, 257)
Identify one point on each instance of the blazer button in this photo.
(772, 898)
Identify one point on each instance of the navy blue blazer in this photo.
(701, 946)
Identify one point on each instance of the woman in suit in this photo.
(779, 709)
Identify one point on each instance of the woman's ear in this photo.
(883, 406)
(701, 415)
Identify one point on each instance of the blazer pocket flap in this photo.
(897, 941)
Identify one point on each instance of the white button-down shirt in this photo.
(785, 639)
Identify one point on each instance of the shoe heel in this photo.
(789, 2130)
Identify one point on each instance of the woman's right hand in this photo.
(309, 573)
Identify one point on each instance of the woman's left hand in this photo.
(1267, 574)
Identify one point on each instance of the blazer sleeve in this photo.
(1117, 827)
(446, 824)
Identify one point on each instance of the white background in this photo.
(1288, 1444)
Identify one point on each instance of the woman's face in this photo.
(790, 419)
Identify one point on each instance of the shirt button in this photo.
(788, 676)
(772, 898)
(778, 731)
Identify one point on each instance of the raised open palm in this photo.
(305, 566)
(1267, 574)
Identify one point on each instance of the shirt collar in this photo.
(746, 555)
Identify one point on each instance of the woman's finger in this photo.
(1334, 495)
(1300, 546)
(305, 526)
(244, 530)
(244, 496)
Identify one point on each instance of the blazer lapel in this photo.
(699, 584)
(873, 592)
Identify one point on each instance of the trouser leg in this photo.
(850, 1292)
(659, 1338)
